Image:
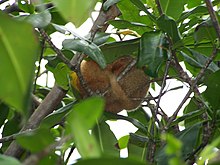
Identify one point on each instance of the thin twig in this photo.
(39, 65)
(213, 17)
(3, 1)
(193, 85)
(13, 136)
(58, 52)
(159, 7)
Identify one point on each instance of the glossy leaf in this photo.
(109, 3)
(56, 116)
(8, 160)
(123, 141)
(38, 20)
(110, 161)
(75, 11)
(131, 13)
(80, 121)
(173, 8)
(205, 31)
(106, 139)
(135, 122)
(151, 52)
(194, 3)
(17, 56)
(142, 7)
(89, 49)
(169, 26)
(61, 75)
(35, 141)
(137, 146)
(212, 92)
(114, 50)
(199, 60)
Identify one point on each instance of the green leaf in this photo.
(80, 120)
(151, 52)
(189, 139)
(90, 49)
(61, 75)
(35, 141)
(205, 31)
(212, 92)
(17, 56)
(135, 122)
(75, 11)
(109, 3)
(123, 141)
(199, 60)
(114, 50)
(110, 161)
(106, 139)
(169, 26)
(26, 7)
(194, 3)
(56, 116)
(8, 160)
(208, 152)
(199, 10)
(131, 13)
(138, 140)
(173, 8)
(84, 108)
(140, 114)
(38, 20)
(141, 6)
(100, 38)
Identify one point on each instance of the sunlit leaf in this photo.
(75, 11)
(82, 117)
(18, 50)
(8, 160)
(106, 139)
(61, 75)
(114, 50)
(123, 141)
(173, 8)
(56, 116)
(36, 141)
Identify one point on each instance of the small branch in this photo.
(213, 17)
(58, 52)
(160, 10)
(3, 1)
(126, 70)
(13, 137)
(163, 84)
(38, 68)
(193, 85)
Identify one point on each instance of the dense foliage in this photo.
(44, 125)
